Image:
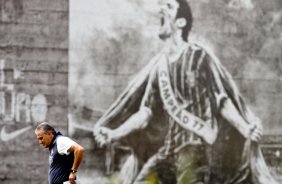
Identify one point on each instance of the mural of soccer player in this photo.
(184, 100)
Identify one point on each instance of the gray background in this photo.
(77, 56)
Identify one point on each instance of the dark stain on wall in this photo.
(11, 10)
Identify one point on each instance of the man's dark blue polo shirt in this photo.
(59, 165)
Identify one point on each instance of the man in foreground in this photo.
(65, 155)
(185, 100)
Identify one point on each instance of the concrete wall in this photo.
(109, 42)
(33, 83)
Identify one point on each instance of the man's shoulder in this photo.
(198, 47)
(194, 46)
(63, 138)
(205, 49)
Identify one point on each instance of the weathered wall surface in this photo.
(33, 83)
(111, 40)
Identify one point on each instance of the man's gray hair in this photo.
(45, 127)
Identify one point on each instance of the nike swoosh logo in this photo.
(4, 136)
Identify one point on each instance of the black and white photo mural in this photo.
(177, 91)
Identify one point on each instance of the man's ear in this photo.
(181, 22)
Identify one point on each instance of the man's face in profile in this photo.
(44, 138)
(168, 12)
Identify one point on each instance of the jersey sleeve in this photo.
(210, 73)
(64, 144)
